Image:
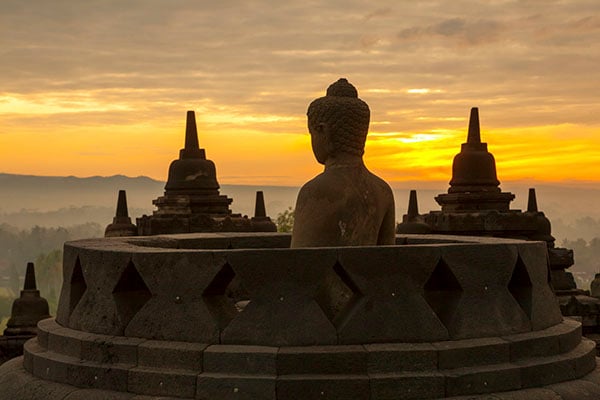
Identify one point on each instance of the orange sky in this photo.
(96, 89)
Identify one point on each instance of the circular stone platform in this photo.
(432, 317)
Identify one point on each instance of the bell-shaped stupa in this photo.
(121, 225)
(192, 202)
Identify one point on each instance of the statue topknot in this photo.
(346, 115)
(342, 88)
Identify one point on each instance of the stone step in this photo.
(341, 359)
(531, 372)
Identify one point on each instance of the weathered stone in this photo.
(346, 205)
(251, 360)
(171, 355)
(407, 386)
(162, 382)
(399, 357)
(334, 387)
(328, 360)
(479, 380)
(472, 352)
(236, 387)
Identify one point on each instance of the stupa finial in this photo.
(413, 206)
(259, 208)
(30, 278)
(191, 147)
(532, 201)
(122, 205)
(474, 135)
(191, 132)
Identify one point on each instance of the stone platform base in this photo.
(62, 363)
(18, 384)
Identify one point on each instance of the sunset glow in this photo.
(103, 90)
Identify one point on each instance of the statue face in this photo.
(319, 142)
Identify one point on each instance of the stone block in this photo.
(533, 344)
(110, 349)
(168, 354)
(96, 310)
(332, 387)
(545, 311)
(162, 382)
(570, 337)
(385, 297)
(177, 309)
(340, 360)
(30, 349)
(283, 311)
(472, 352)
(397, 357)
(46, 326)
(407, 386)
(545, 371)
(52, 366)
(66, 341)
(252, 360)
(92, 375)
(485, 293)
(95, 394)
(236, 387)
(585, 357)
(477, 380)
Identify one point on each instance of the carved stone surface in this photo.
(290, 293)
(345, 205)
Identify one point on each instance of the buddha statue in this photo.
(345, 205)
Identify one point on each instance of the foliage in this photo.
(285, 220)
(44, 247)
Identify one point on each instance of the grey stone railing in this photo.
(185, 288)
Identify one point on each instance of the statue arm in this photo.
(387, 231)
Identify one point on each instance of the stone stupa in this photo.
(27, 311)
(192, 202)
(475, 205)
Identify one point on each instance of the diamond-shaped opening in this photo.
(130, 294)
(78, 286)
(442, 292)
(337, 294)
(520, 286)
(220, 296)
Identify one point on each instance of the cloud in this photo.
(255, 66)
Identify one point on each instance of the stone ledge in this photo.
(17, 384)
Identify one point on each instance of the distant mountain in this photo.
(26, 200)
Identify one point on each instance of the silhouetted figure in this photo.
(345, 205)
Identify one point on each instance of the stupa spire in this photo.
(30, 278)
(413, 207)
(121, 225)
(532, 201)
(191, 147)
(191, 132)
(474, 135)
(122, 205)
(259, 207)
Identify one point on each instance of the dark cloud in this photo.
(519, 59)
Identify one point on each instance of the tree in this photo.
(285, 220)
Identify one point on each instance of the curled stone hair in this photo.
(345, 114)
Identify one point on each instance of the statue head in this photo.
(338, 122)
